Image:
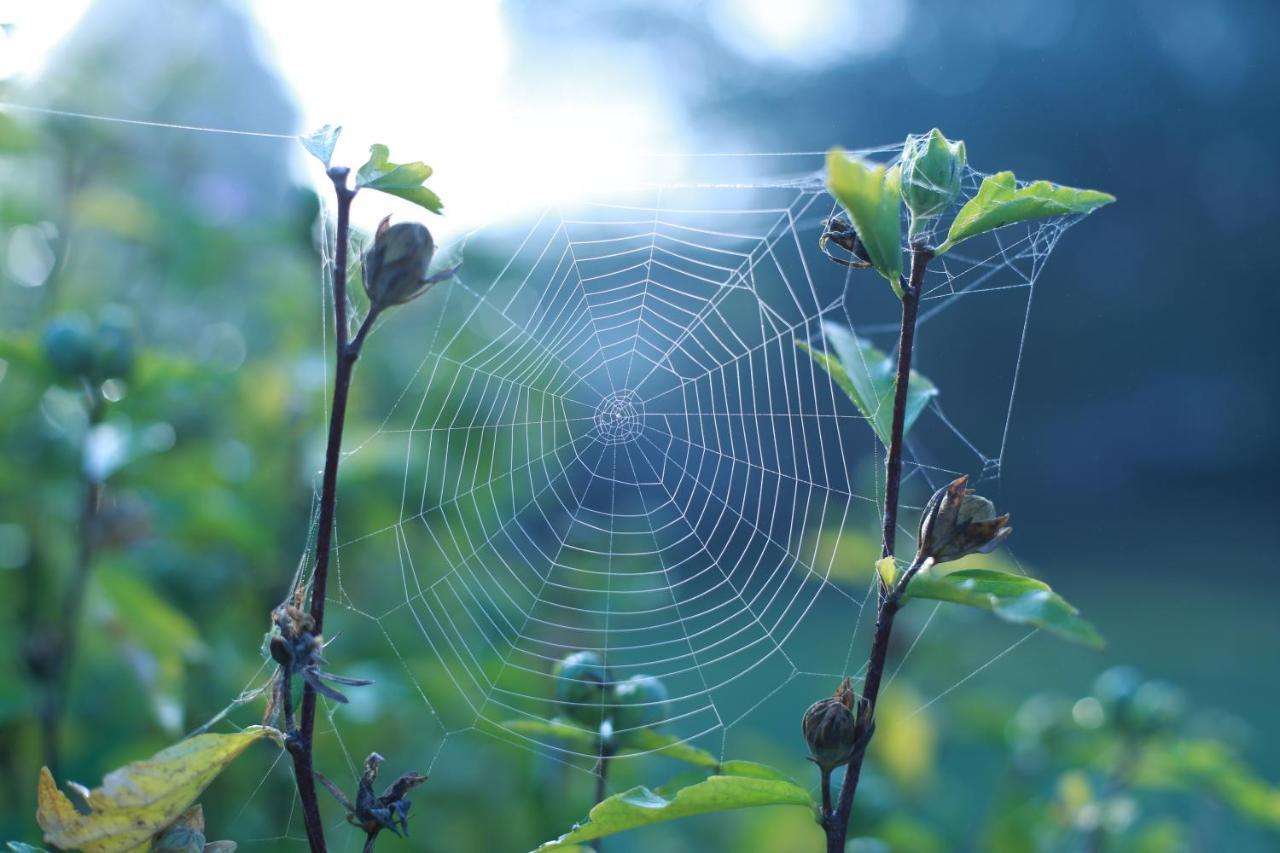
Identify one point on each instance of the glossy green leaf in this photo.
(641, 806)
(1000, 201)
(399, 179)
(320, 143)
(872, 196)
(1014, 598)
(632, 742)
(869, 378)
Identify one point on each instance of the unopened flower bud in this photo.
(581, 683)
(957, 522)
(931, 170)
(114, 345)
(395, 269)
(639, 702)
(832, 729)
(68, 345)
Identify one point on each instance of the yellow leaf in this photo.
(140, 799)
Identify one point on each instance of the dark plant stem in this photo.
(347, 351)
(61, 647)
(826, 796)
(889, 600)
(602, 780)
(1118, 781)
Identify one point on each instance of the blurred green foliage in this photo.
(207, 449)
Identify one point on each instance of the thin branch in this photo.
(602, 772)
(888, 600)
(62, 649)
(347, 353)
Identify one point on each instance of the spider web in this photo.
(609, 440)
(612, 442)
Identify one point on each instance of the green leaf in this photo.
(754, 769)
(1014, 598)
(873, 197)
(1001, 202)
(399, 179)
(321, 142)
(1209, 766)
(869, 378)
(637, 741)
(887, 569)
(641, 806)
(156, 638)
(16, 138)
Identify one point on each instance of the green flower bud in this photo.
(581, 683)
(68, 344)
(931, 170)
(395, 269)
(956, 522)
(113, 346)
(1143, 707)
(1115, 690)
(640, 702)
(832, 729)
(1157, 705)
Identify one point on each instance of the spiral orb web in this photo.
(613, 443)
(629, 446)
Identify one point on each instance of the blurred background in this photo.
(1138, 467)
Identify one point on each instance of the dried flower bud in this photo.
(831, 728)
(931, 170)
(395, 269)
(957, 522)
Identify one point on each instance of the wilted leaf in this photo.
(869, 378)
(641, 806)
(1014, 598)
(1000, 202)
(398, 179)
(872, 196)
(140, 799)
(320, 143)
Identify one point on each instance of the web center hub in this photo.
(619, 417)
